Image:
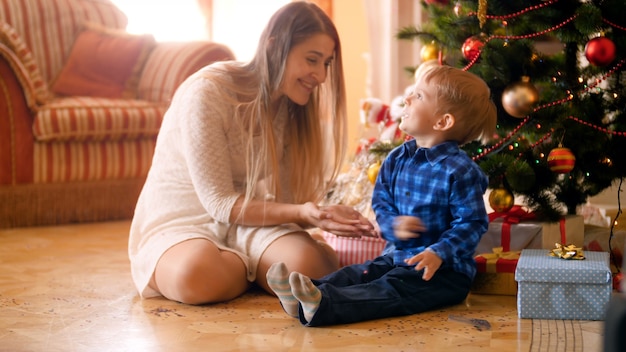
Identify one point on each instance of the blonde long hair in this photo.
(253, 84)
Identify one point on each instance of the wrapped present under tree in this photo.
(496, 273)
(553, 288)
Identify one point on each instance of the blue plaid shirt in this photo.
(444, 188)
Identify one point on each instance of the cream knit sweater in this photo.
(197, 173)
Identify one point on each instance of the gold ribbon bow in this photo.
(498, 253)
(567, 252)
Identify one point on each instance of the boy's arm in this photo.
(469, 218)
(383, 201)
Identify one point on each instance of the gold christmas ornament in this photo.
(519, 98)
(429, 51)
(372, 172)
(501, 200)
(482, 12)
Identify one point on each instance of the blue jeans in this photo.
(380, 289)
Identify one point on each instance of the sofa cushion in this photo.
(104, 63)
(96, 119)
(49, 28)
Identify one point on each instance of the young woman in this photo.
(244, 155)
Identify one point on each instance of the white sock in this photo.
(278, 280)
(306, 293)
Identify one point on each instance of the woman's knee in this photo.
(316, 262)
(200, 276)
(303, 254)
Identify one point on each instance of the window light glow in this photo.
(236, 23)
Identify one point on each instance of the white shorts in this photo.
(248, 243)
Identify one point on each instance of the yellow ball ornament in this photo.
(501, 200)
(372, 172)
(429, 51)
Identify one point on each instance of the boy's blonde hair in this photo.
(464, 95)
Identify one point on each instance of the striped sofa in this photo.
(67, 158)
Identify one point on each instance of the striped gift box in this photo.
(354, 250)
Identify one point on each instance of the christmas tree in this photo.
(556, 73)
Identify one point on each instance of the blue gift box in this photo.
(555, 288)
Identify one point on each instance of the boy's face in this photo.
(420, 107)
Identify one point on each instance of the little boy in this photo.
(428, 201)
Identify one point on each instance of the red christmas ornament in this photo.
(600, 51)
(471, 47)
(440, 2)
(618, 279)
(561, 160)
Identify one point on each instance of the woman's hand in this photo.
(340, 220)
(344, 214)
(406, 227)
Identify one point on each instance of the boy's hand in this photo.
(427, 260)
(406, 227)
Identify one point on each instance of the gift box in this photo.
(351, 250)
(494, 284)
(599, 239)
(554, 288)
(496, 273)
(518, 229)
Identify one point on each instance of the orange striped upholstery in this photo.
(36, 90)
(97, 119)
(49, 27)
(83, 138)
(90, 161)
(170, 63)
(72, 150)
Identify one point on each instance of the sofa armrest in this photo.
(170, 63)
(20, 58)
(16, 132)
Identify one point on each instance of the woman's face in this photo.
(306, 67)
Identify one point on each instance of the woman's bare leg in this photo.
(197, 271)
(301, 253)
